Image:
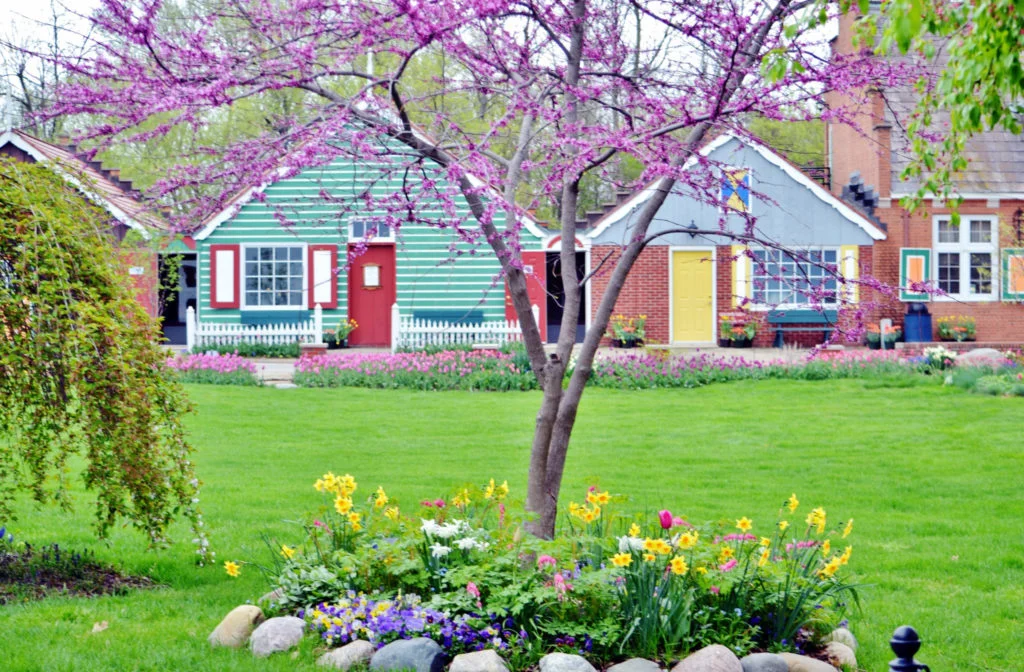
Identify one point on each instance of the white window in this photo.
(369, 230)
(783, 280)
(965, 257)
(274, 276)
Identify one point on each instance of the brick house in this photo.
(105, 189)
(978, 264)
(685, 283)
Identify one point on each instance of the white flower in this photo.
(448, 530)
(627, 544)
(429, 527)
(467, 544)
(439, 551)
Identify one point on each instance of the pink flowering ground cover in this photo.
(214, 368)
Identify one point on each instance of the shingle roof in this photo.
(114, 195)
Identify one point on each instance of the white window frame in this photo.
(965, 248)
(725, 208)
(243, 302)
(390, 238)
(797, 306)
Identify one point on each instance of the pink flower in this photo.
(727, 567)
(677, 521)
(561, 586)
(501, 514)
(439, 503)
(546, 560)
(473, 590)
(427, 503)
(665, 518)
(715, 589)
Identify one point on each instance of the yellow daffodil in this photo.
(232, 568)
(502, 490)
(590, 515)
(391, 513)
(287, 551)
(600, 498)
(319, 485)
(346, 485)
(357, 526)
(650, 557)
(744, 524)
(574, 509)
(792, 503)
(634, 530)
(830, 568)
(724, 555)
(845, 557)
(342, 504)
(678, 565)
(848, 528)
(489, 490)
(622, 560)
(762, 560)
(783, 524)
(462, 499)
(816, 518)
(701, 570)
(380, 498)
(826, 548)
(659, 546)
(688, 540)
(354, 518)
(765, 541)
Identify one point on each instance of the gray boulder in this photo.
(353, 653)
(843, 636)
(636, 665)
(236, 627)
(419, 654)
(981, 357)
(764, 662)
(806, 664)
(565, 662)
(841, 656)
(276, 634)
(714, 658)
(487, 660)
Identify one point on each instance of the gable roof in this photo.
(91, 182)
(211, 223)
(627, 207)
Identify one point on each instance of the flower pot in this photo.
(724, 343)
(742, 342)
(625, 344)
(874, 345)
(337, 345)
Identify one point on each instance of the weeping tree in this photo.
(80, 374)
(571, 88)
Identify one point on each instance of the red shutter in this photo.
(321, 270)
(224, 276)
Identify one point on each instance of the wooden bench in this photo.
(808, 321)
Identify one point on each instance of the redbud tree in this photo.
(533, 97)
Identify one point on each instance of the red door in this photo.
(371, 293)
(536, 287)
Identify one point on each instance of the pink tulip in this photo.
(665, 518)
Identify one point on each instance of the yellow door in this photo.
(692, 275)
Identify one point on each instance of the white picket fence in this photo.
(200, 334)
(409, 332)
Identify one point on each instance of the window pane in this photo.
(948, 233)
(785, 280)
(251, 283)
(296, 298)
(252, 298)
(949, 272)
(266, 269)
(296, 254)
(251, 253)
(295, 283)
(358, 229)
(280, 282)
(266, 253)
(981, 231)
(296, 268)
(266, 299)
(981, 273)
(830, 256)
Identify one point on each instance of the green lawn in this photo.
(932, 476)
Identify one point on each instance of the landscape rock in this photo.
(419, 654)
(806, 664)
(841, 655)
(273, 596)
(843, 636)
(981, 357)
(487, 660)
(276, 634)
(565, 662)
(353, 653)
(236, 627)
(636, 665)
(714, 658)
(764, 662)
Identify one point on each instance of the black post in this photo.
(905, 644)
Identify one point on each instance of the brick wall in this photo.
(646, 291)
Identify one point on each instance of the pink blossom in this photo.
(728, 567)
(715, 589)
(427, 503)
(665, 518)
(546, 560)
(473, 590)
(439, 503)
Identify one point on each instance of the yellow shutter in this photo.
(741, 271)
(849, 268)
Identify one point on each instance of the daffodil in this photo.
(701, 570)
(792, 503)
(650, 557)
(462, 499)
(724, 555)
(232, 568)
(687, 540)
(830, 568)
(391, 513)
(287, 551)
(845, 557)
(783, 524)
(380, 498)
(342, 504)
(600, 498)
(765, 541)
(489, 490)
(502, 490)
(826, 548)
(816, 518)
(848, 528)
(762, 560)
(744, 524)
(622, 559)
(678, 565)
(634, 530)
(354, 518)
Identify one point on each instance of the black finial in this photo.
(905, 643)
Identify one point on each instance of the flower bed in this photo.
(214, 368)
(461, 571)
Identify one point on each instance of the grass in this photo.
(931, 475)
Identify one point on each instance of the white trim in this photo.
(672, 249)
(768, 307)
(242, 306)
(968, 196)
(626, 207)
(365, 221)
(965, 249)
(118, 214)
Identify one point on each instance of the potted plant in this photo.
(874, 337)
(957, 328)
(724, 330)
(742, 332)
(627, 332)
(338, 337)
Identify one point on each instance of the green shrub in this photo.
(285, 351)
